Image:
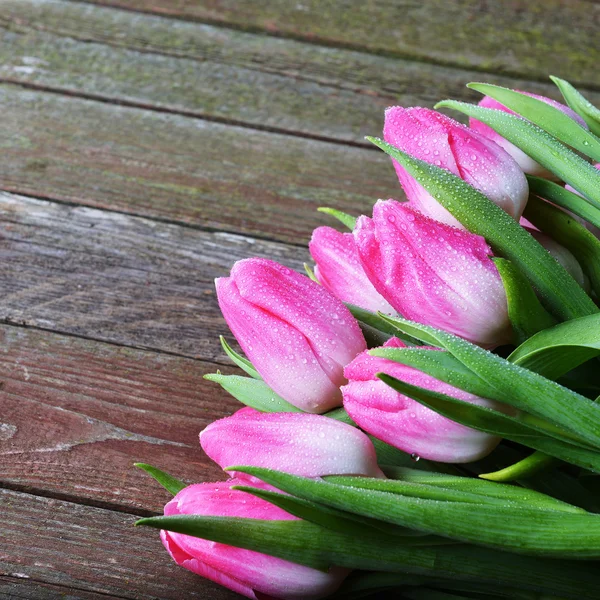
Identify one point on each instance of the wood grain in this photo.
(118, 278)
(76, 414)
(221, 74)
(525, 37)
(177, 168)
(91, 550)
(19, 588)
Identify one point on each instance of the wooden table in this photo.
(145, 146)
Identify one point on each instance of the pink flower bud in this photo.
(338, 269)
(526, 163)
(403, 422)
(441, 141)
(297, 443)
(433, 273)
(246, 572)
(298, 336)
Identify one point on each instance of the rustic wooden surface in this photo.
(145, 146)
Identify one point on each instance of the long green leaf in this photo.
(461, 491)
(549, 118)
(517, 386)
(341, 521)
(478, 214)
(471, 485)
(531, 465)
(537, 143)
(583, 107)
(527, 315)
(252, 392)
(348, 220)
(523, 531)
(567, 231)
(555, 351)
(313, 546)
(170, 483)
(239, 360)
(560, 196)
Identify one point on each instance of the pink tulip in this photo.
(298, 336)
(433, 273)
(246, 572)
(297, 443)
(441, 141)
(338, 269)
(526, 163)
(403, 422)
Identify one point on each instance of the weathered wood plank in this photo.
(118, 278)
(220, 73)
(76, 414)
(524, 37)
(178, 168)
(92, 550)
(20, 588)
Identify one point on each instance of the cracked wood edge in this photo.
(176, 168)
(90, 550)
(220, 74)
(526, 38)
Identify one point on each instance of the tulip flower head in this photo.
(527, 164)
(297, 334)
(405, 423)
(246, 572)
(441, 141)
(297, 443)
(433, 273)
(338, 268)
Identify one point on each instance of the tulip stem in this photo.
(533, 464)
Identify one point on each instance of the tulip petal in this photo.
(338, 269)
(405, 423)
(283, 356)
(325, 322)
(433, 273)
(244, 571)
(302, 444)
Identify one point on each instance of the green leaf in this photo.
(377, 322)
(240, 361)
(439, 364)
(583, 107)
(509, 527)
(474, 486)
(531, 433)
(531, 465)
(555, 351)
(527, 315)
(560, 196)
(568, 232)
(252, 392)
(311, 273)
(549, 118)
(478, 214)
(348, 220)
(170, 483)
(539, 145)
(517, 386)
(338, 520)
(436, 486)
(313, 546)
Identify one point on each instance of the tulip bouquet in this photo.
(420, 416)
